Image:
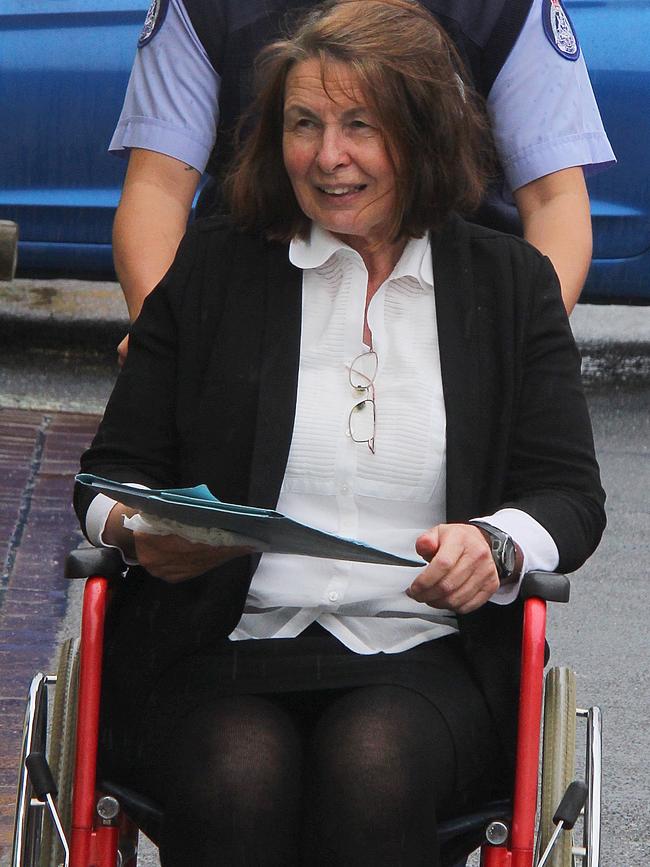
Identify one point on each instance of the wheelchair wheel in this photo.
(558, 759)
(61, 753)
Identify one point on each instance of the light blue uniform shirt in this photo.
(542, 107)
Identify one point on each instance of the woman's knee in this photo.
(387, 744)
(240, 752)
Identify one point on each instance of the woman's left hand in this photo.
(461, 575)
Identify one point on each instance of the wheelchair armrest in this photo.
(550, 586)
(85, 562)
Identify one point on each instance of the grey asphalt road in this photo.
(47, 378)
(602, 634)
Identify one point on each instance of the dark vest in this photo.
(233, 32)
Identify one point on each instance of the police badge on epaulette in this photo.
(153, 21)
(559, 30)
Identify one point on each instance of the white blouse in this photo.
(387, 498)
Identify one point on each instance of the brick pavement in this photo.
(39, 454)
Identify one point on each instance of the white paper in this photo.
(214, 536)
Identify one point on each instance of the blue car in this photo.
(64, 65)
(614, 35)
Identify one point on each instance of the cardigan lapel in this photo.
(458, 340)
(278, 377)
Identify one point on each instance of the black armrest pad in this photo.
(550, 586)
(94, 561)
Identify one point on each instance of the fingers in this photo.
(461, 575)
(122, 350)
(173, 559)
(427, 544)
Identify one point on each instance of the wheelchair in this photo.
(65, 816)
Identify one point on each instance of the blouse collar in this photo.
(321, 245)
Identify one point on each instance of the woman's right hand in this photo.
(169, 558)
(174, 559)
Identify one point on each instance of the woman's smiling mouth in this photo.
(340, 190)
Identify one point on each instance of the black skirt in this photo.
(313, 663)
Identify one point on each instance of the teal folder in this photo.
(198, 507)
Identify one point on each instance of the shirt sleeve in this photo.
(96, 518)
(539, 549)
(172, 99)
(543, 111)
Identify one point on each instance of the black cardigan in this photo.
(208, 393)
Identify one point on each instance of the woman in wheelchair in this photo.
(348, 349)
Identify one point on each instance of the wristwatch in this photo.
(506, 553)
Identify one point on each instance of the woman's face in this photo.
(335, 155)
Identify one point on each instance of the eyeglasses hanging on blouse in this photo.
(361, 422)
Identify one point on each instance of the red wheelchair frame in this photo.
(507, 841)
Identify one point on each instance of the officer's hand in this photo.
(461, 575)
(122, 350)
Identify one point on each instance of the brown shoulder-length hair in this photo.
(433, 122)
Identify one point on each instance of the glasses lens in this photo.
(363, 370)
(362, 422)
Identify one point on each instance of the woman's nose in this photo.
(333, 150)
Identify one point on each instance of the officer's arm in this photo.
(150, 221)
(556, 218)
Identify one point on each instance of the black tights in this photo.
(332, 778)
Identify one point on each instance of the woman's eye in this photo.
(305, 123)
(362, 127)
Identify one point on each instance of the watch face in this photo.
(503, 548)
(509, 556)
